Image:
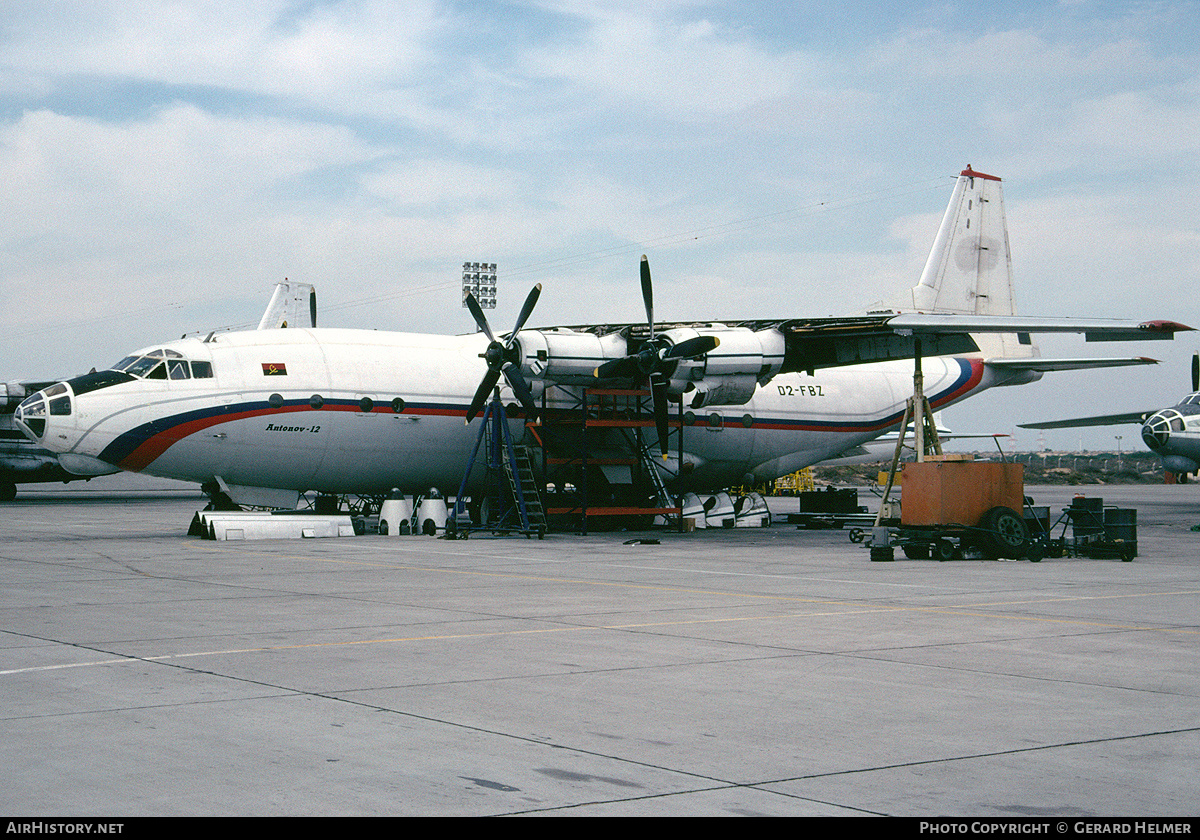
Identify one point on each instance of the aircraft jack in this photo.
(925, 437)
(511, 503)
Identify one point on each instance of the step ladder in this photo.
(650, 465)
(510, 500)
(522, 485)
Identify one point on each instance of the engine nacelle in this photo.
(11, 395)
(566, 356)
(729, 374)
(720, 390)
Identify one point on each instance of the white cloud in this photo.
(344, 55)
(687, 70)
(166, 210)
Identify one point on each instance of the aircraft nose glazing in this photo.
(35, 410)
(31, 416)
(1157, 430)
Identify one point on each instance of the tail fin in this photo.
(293, 304)
(969, 270)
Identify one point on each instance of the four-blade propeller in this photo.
(656, 359)
(503, 358)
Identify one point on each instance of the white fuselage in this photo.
(358, 411)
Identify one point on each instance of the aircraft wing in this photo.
(1044, 365)
(1101, 420)
(831, 342)
(808, 344)
(1093, 329)
(971, 435)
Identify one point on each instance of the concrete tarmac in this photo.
(748, 672)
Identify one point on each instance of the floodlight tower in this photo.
(479, 279)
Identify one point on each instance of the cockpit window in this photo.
(143, 366)
(164, 363)
(1194, 399)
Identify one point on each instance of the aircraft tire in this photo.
(8, 491)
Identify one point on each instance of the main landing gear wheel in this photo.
(8, 491)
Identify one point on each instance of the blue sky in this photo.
(162, 165)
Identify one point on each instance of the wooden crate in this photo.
(959, 492)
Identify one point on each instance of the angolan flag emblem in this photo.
(274, 369)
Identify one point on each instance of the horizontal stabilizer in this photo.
(1102, 420)
(1043, 365)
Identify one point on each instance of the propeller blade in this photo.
(626, 366)
(658, 390)
(1196, 373)
(693, 347)
(526, 311)
(477, 314)
(648, 294)
(513, 374)
(498, 358)
(485, 389)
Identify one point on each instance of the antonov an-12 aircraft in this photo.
(265, 415)
(1172, 434)
(24, 462)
